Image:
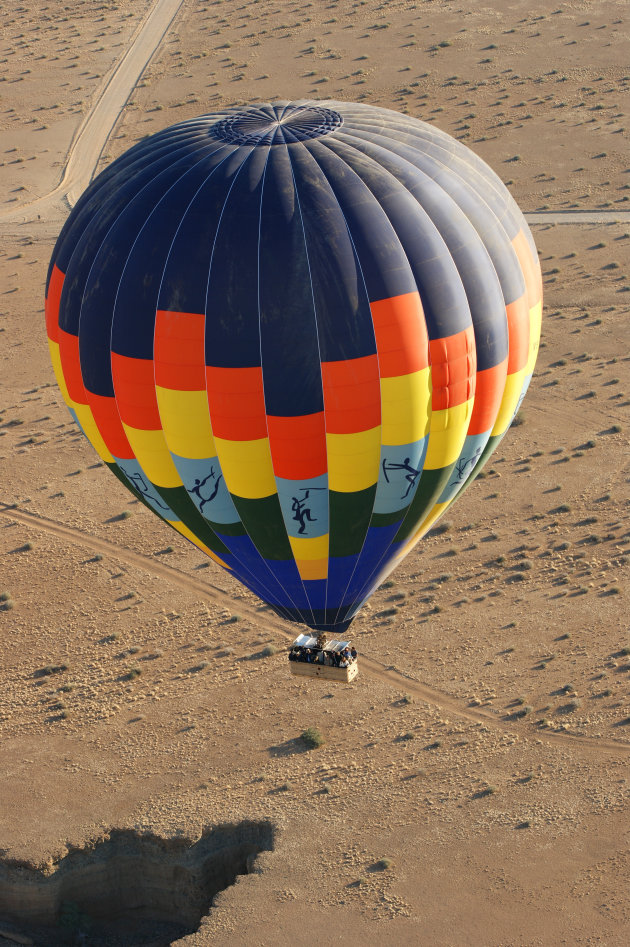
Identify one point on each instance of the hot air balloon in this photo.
(296, 331)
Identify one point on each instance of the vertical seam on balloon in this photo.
(176, 231)
(326, 144)
(148, 183)
(214, 242)
(310, 278)
(262, 190)
(384, 146)
(385, 553)
(92, 265)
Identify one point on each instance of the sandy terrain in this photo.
(484, 749)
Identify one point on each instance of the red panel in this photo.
(237, 403)
(52, 303)
(179, 350)
(105, 413)
(490, 385)
(401, 335)
(134, 384)
(518, 334)
(453, 368)
(352, 395)
(71, 367)
(298, 446)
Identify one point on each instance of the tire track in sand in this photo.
(369, 666)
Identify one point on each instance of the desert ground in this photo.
(473, 786)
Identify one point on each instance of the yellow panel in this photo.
(87, 422)
(247, 467)
(82, 411)
(449, 427)
(535, 320)
(405, 407)
(429, 520)
(55, 358)
(511, 394)
(183, 529)
(153, 456)
(313, 569)
(353, 460)
(309, 547)
(186, 422)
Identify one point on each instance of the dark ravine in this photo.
(128, 888)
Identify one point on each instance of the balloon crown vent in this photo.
(277, 124)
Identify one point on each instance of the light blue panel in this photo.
(521, 396)
(140, 482)
(399, 475)
(465, 465)
(304, 506)
(206, 487)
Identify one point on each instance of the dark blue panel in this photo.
(384, 266)
(114, 186)
(344, 319)
(289, 343)
(434, 270)
(232, 318)
(340, 569)
(461, 190)
(316, 592)
(286, 574)
(185, 275)
(449, 152)
(252, 570)
(376, 551)
(100, 262)
(472, 261)
(141, 278)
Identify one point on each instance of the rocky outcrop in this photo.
(129, 875)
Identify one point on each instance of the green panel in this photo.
(388, 519)
(432, 483)
(227, 529)
(181, 504)
(350, 515)
(264, 522)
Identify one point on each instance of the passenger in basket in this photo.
(353, 653)
(343, 663)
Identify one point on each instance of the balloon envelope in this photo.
(296, 331)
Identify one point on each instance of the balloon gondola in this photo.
(296, 332)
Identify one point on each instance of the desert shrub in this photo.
(312, 738)
(269, 650)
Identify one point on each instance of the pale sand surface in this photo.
(207, 732)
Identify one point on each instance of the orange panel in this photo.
(134, 384)
(453, 368)
(489, 388)
(401, 335)
(69, 354)
(179, 350)
(107, 419)
(237, 403)
(530, 268)
(52, 303)
(298, 446)
(352, 395)
(518, 334)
